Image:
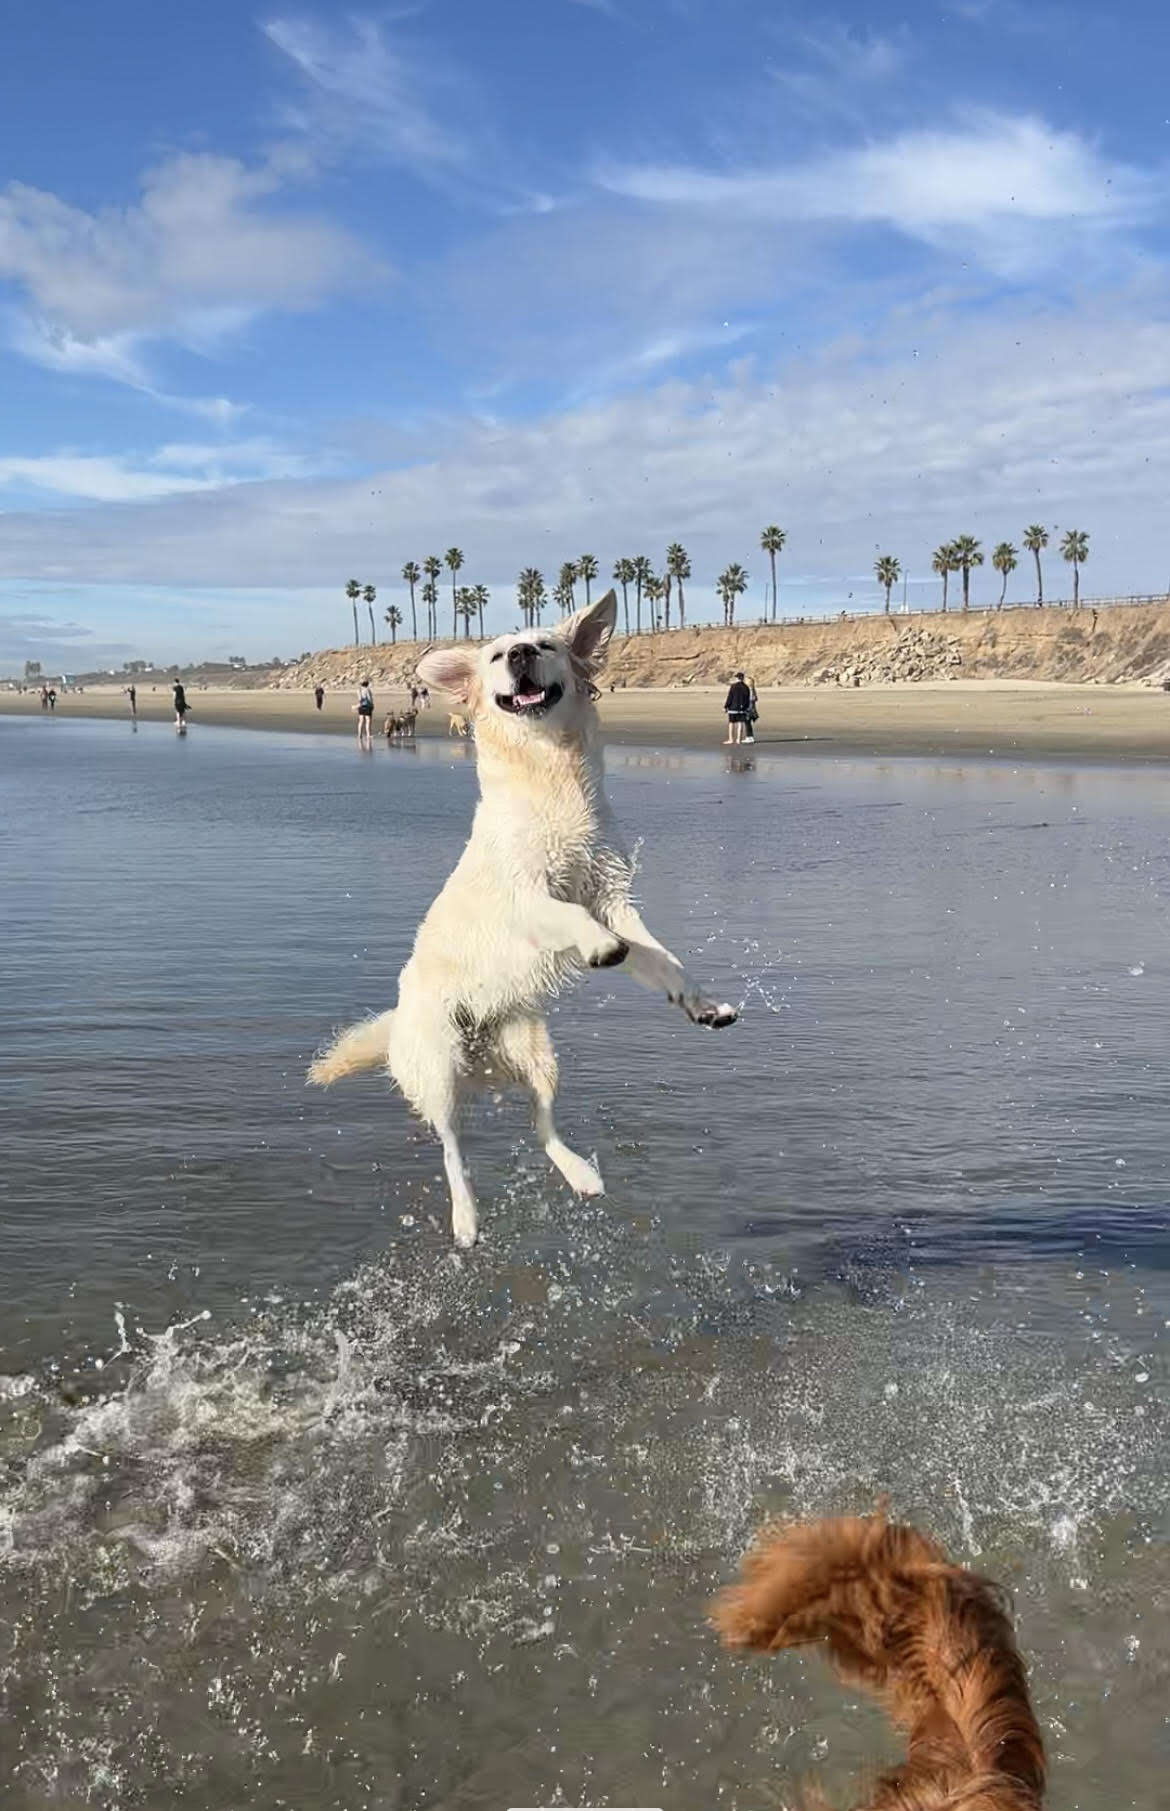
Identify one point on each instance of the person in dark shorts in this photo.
(737, 706)
(180, 697)
(365, 714)
(319, 695)
(132, 695)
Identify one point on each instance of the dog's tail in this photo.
(363, 1046)
(934, 1640)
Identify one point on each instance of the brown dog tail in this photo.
(365, 1045)
(935, 1641)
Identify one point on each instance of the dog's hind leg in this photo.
(464, 1214)
(524, 1046)
(427, 1069)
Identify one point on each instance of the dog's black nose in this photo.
(521, 654)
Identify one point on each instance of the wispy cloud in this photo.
(361, 87)
(172, 470)
(995, 179)
(835, 73)
(902, 439)
(369, 93)
(63, 644)
(196, 257)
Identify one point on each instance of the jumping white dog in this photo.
(541, 891)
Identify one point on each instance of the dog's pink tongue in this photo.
(529, 697)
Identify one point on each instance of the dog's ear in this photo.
(451, 669)
(588, 632)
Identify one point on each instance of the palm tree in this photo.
(1035, 540)
(678, 567)
(967, 553)
(464, 607)
(587, 569)
(563, 595)
(566, 579)
(370, 594)
(353, 591)
(411, 574)
(1075, 549)
(888, 571)
(430, 597)
(433, 566)
(731, 583)
(526, 594)
(943, 561)
(1004, 560)
(642, 571)
(772, 541)
(394, 617)
(533, 593)
(481, 594)
(453, 560)
(623, 572)
(654, 590)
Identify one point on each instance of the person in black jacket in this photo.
(737, 705)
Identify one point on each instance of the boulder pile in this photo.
(917, 654)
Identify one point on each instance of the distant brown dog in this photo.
(934, 1641)
(400, 726)
(456, 724)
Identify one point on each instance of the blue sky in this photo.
(292, 295)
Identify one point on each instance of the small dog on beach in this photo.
(400, 726)
(935, 1642)
(541, 892)
(457, 724)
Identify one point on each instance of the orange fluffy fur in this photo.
(933, 1640)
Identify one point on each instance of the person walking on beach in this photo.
(736, 705)
(44, 697)
(319, 695)
(52, 698)
(365, 714)
(180, 707)
(132, 695)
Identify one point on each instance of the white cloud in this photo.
(902, 439)
(990, 183)
(199, 252)
(171, 471)
(117, 357)
(368, 94)
(838, 73)
(363, 88)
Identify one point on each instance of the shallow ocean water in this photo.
(298, 1507)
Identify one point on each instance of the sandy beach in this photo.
(998, 718)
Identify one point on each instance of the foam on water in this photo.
(258, 1548)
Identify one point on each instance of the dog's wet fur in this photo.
(542, 891)
(934, 1641)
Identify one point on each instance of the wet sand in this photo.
(1000, 718)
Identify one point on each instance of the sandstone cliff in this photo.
(1117, 642)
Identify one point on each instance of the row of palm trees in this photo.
(965, 552)
(661, 591)
(468, 602)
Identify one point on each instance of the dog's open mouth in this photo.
(530, 700)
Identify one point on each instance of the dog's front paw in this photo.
(607, 952)
(701, 1011)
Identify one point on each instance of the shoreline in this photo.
(998, 719)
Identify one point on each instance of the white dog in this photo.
(541, 891)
